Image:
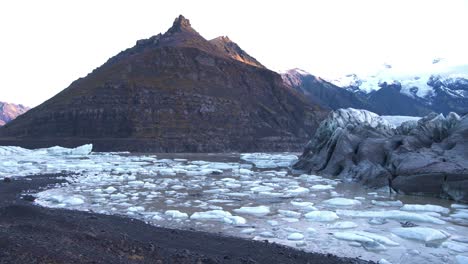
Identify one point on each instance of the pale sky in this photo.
(45, 45)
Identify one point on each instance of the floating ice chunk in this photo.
(136, 209)
(302, 204)
(461, 259)
(245, 172)
(454, 246)
(167, 172)
(377, 238)
(321, 187)
(424, 234)
(248, 230)
(383, 261)
(290, 220)
(74, 200)
(460, 214)
(136, 183)
(343, 225)
(81, 150)
(461, 239)
(396, 203)
(459, 206)
(261, 189)
(342, 202)
(364, 237)
(257, 210)
(218, 215)
(295, 236)
(267, 234)
(157, 218)
(110, 189)
(272, 222)
(232, 185)
(220, 201)
(216, 191)
(321, 216)
(271, 194)
(297, 191)
(289, 213)
(236, 194)
(176, 214)
(311, 230)
(350, 236)
(392, 214)
(425, 208)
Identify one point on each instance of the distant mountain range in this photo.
(9, 112)
(440, 89)
(173, 92)
(439, 86)
(178, 92)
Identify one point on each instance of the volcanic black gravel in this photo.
(33, 234)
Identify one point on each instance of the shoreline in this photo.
(34, 234)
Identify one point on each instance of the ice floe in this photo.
(218, 215)
(176, 214)
(343, 225)
(424, 234)
(321, 216)
(342, 202)
(392, 214)
(255, 210)
(461, 259)
(425, 208)
(295, 236)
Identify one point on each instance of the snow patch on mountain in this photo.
(416, 80)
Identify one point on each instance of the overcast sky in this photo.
(45, 45)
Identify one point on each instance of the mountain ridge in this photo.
(9, 111)
(173, 92)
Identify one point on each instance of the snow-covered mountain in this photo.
(9, 112)
(439, 86)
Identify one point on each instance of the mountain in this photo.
(173, 92)
(321, 92)
(9, 112)
(234, 51)
(440, 86)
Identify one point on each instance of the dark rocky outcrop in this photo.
(426, 157)
(173, 92)
(9, 112)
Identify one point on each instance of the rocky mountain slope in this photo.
(173, 92)
(9, 112)
(441, 87)
(428, 156)
(321, 92)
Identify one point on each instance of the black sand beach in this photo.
(33, 234)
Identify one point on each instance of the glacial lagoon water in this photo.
(254, 196)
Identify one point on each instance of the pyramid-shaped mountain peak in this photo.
(181, 24)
